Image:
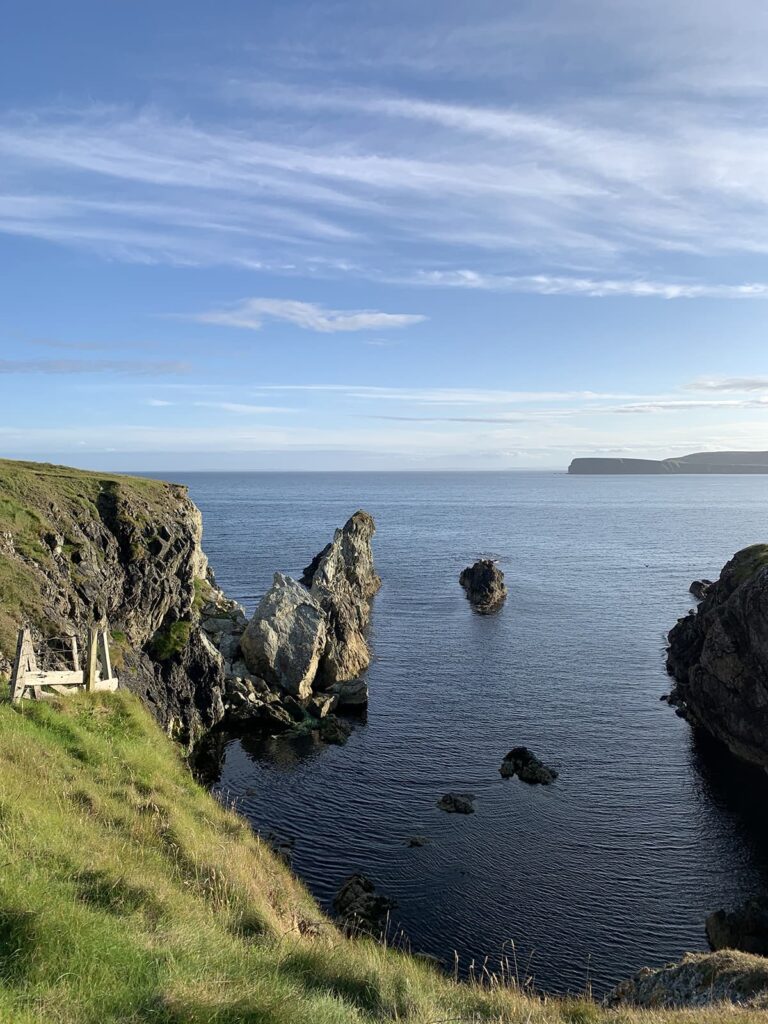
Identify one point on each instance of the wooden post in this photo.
(89, 672)
(106, 663)
(21, 664)
(75, 655)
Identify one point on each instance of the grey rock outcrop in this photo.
(457, 803)
(745, 928)
(699, 979)
(484, 586)
(286, 637)
(342, 580)
(360, 908)
(699, 589)
(718, 656)
(523, 762)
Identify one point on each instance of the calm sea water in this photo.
(646, 830)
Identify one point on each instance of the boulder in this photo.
(718, 657)
(699, 589)
(484, 586)
(286, 637)
(745, 928)
(342, 580)
(457, 803)
(322, 704)
(523, 762)
(360, 908)
(699, 979)
(352, 694)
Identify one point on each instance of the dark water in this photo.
(616, 865)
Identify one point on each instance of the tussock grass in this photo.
(128, 894)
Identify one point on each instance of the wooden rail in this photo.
(96, 674)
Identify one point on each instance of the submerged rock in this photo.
(286, 637)
(457, 803)
(335, 730)
(719, 658)
(484, 586)
(699, 979)
(523, 762)
(342, 580)
(745, 928)
(360, 908)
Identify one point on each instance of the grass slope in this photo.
(128, 894)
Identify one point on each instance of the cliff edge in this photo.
(718, 656)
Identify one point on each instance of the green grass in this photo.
(128, 894)
(170, 640)
(749, 561)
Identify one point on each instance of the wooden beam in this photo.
(89, 672)
(53, 679)
(17, 676)
(75, 655)
(104, 659)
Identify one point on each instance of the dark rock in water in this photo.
(719, 658)
(351, 694)
(745, 928)
(414, 841)
(360, 908)
(457, 803)
(699, 589)
(523, 762)
(334, 730)
(294, 708)
(484, 585)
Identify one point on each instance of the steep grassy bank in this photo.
(128, 894)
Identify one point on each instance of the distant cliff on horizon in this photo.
(699, 462)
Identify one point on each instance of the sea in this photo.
(648, 827)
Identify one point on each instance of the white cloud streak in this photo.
(252, 314)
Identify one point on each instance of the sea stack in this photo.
(718, 656)
(484, 586)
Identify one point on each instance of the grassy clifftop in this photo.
(128, 894)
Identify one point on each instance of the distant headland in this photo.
(699, 462)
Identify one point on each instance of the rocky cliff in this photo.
(718, 655)
(80, 549)
(698, 462)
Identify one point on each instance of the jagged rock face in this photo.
(718, 656)
(286, 637)
(90, 549)
(342, 579)
(699, 979)
(484, 585)
(745, 928)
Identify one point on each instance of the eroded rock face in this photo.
(484, 586)
(745, 928)
(523, 762)
(699, 589)
(342, 579)
(718, 656)
(360, 908)
(699, 979)
(285, 640)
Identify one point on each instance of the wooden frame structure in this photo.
(95, 674)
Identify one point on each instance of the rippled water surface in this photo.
(645, 831)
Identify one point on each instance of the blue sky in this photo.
(360, 235)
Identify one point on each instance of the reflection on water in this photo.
(645, 832)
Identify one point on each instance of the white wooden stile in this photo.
(96, 674)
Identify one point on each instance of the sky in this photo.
(355, 235)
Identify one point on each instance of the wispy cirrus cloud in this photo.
(253, 313)
(85, 366)
(730, 384)
(545, 284)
